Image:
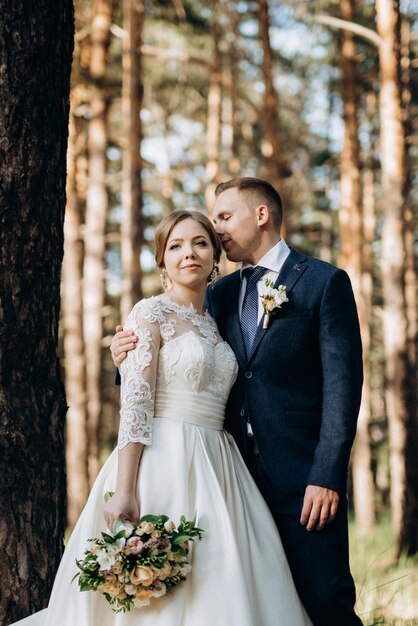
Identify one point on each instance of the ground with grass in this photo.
(387, 593)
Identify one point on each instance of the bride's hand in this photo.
(121, 507)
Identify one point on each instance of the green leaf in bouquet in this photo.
(85, 586)
(108, 495)
(154, 519)
(108, 538)
(180, 539)
(75, 575)
(121, 534)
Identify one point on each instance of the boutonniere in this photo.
(272, 300)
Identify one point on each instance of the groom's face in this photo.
(236, 224)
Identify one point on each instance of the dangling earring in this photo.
(213, 276)
(164, 281)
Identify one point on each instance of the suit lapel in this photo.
(293, 268)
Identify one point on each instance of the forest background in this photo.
(169, 98)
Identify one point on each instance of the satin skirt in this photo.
(240, 574)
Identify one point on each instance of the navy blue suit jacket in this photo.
(301, 386)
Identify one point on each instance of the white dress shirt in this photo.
(273, 261)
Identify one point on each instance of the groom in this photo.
(293, 409)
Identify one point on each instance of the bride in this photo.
(174, 457)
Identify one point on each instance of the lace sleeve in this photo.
(138, 377)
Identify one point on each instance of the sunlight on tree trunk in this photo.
(72, 321)
(272, 147)
(401, 410)
(132, 90)
(213, 124)
(350, 258)
(94, 234)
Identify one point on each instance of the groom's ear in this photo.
(262, 214)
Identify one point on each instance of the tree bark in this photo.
(401, 407)
(72, 321)
(350, 258)
(36, 42)
(410, 215)
(132, 91)
(234, 162)
(271, 147)
(214, 111)
(95, 225)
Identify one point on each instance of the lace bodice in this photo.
(180, 368)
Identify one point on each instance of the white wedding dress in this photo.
(175, 385)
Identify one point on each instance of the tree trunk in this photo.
(271, 147)
(351, 237)
(401, 408)
(234, 162)
(72, 321)
(94, 234)
(213, 125)
(36, 42)
(132, 90)
(410, 215)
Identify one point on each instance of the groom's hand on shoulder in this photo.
(122, 342)
(319, 507)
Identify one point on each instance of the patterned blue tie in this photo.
(249, 313)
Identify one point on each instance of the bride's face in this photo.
(189, 255)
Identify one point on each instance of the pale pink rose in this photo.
(130, 590)
(111, 578)
(135, 545)
(165, 571)
(142, 575)
(145, 528)
(122, 595)
(116, 568)
(110, 588)
(144, 594)
(169, 526)
(160, 590)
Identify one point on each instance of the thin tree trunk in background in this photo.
(36, 42)
(410, 223)
(401, 409)
(132, 90)
(234, 163)
(72, 319)
(271, 147)
(365, 487)
(95, 225)
(213, 125)
(350, 258)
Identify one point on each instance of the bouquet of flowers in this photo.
(138, 562)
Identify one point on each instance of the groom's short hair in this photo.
(260, 190)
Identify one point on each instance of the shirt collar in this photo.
(273, 259)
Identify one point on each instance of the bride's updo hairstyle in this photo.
(165, 227)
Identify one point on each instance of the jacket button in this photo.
(242, 412)
(248, 374)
